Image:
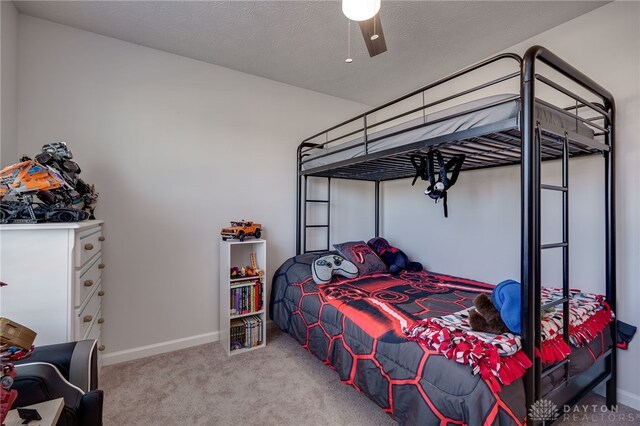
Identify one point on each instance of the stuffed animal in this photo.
(485, 317)
(235, 272)
(507, 299)
(395, 259)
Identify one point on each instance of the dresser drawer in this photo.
(95, 333)
(87, 278)
(88, 243)
(87, 314)
(95, 329)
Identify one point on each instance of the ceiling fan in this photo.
(365, 12)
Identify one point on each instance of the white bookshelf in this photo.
(238, 253)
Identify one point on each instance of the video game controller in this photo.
(327, 266)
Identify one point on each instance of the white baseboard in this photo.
(159, 348)
(624, 397)
(629, 399)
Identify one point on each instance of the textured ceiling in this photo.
(304, 43)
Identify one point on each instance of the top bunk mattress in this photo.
(481, 112)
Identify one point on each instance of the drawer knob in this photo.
(101, 238)
(88, 246)
(101, 293)
(87, 318)
(101, 348)
(101, 266)
(100, 320)
(88, 283)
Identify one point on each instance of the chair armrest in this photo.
(39, 381)
(58, 355)
(77, 362)
(83, 369)
(90, 412)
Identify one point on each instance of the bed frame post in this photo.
(531, 215)
(610, 236)
(377, 201)
(298, 198)
(530, 228)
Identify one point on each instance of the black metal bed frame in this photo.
(521, 140)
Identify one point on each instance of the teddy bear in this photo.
(485, 317)
(395, 259)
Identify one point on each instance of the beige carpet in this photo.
(281, 384)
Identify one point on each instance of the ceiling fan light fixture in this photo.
(374, 37)
(360, 10)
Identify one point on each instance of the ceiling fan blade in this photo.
(377, 46)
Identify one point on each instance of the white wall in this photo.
(160, 136)
(481, 237)
(176, 148)
(9, 84)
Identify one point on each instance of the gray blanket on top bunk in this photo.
(472, 119)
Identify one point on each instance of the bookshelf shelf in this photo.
(246, 331)
(240, 351)
(260, 312)
(240, 280)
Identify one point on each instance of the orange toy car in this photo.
(241, 229)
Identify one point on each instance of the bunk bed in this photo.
(492, 131)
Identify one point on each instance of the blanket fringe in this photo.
(513, 367)
(554, 350)
(481, 356)
(588, 330)
(484, 357)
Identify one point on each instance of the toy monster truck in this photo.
(241, 229)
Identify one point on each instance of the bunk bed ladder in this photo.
(326, 226)
(564, 189)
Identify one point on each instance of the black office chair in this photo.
(66, 370)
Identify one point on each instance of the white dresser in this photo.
(53, 272)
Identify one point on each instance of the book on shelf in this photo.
(254, 333)
(246, 299)
(260, 331)
(235, 335)
(246, 332)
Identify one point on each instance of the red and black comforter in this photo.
(355, 327)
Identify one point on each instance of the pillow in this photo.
(360, 254)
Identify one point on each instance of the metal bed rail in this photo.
(526, 142)
(480, 140)
(308, 144)
(368, 141)
(531, 187)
